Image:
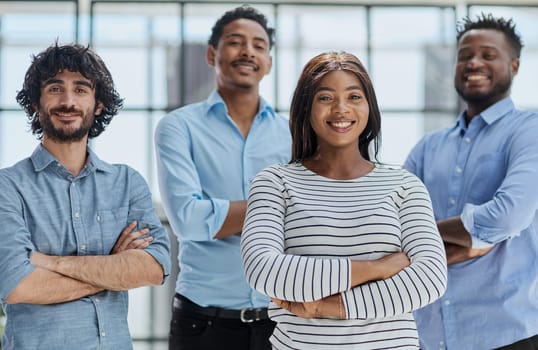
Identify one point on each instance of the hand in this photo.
(457, 253)
(329, 307)
(391, 264)
(131, 240)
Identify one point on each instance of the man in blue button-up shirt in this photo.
(77, 233)
(482, 176)
(207, 155)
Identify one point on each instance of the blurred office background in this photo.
(155, 50)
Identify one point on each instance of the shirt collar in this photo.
(215, 101)
(41, 159)
(491, 114)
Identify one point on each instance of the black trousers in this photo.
(190, 331)
(525, 344)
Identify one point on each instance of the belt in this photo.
(247, 315)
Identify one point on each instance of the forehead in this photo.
(245, 27)
(67, 76)
(341, 77)
(484, 38)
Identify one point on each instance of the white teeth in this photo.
(476, 77)
(341, 124)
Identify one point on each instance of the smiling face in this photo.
(242, 58)
(485, 68)
(339, 111)
(67, 107)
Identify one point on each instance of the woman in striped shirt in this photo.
(346, 248)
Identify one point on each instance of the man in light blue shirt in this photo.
(77, 233)
(482, 177)
(207, 155)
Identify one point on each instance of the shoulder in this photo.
(281, 172)
(398, 174)
(184, 115)
(18, 171)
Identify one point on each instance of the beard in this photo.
(498, 91)
(65, 135)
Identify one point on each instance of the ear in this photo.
(98, 109)
(515, 66)
(210, 55)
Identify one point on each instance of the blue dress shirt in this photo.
(204, 162)
(44, 208)
(487, 173)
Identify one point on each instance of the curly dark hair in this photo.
(74, 58)
(246, 12)
(304, 139)
(487, 21)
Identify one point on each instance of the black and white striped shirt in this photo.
(301, 232)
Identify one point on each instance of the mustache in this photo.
(64, 110)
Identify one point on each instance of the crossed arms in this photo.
(57, 279)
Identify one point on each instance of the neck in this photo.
(339, 165)
(72, 155)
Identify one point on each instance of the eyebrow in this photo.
(241, 36)
(77, 82)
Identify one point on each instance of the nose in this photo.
(67, 99)
(340, 105)
(247, 50)
(474, 62)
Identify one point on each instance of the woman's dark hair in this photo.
(487, 21)
(240, 12)
(304, 139)
(74, 58)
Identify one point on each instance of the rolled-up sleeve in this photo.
(142, 210)
(16, 247)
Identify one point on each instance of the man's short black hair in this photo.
(487, 21)
(246, 12)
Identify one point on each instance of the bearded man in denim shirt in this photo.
(77, 233)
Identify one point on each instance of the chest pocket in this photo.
(111, 223)
(487, 175)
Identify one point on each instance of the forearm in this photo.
(47, 287)
(452, 231)
(233, 224)
(456, 253)
(363, 271)
(126, 270)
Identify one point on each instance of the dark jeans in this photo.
(189, 331)
(525, 344)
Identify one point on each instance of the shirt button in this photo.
(97, 300)
(103, 334)
(82, 247)
(447, 302)
(77, 214)
(458, 169)
(468, 139)
(72, 184)
(452, 201)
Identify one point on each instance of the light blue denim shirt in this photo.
(487, 173)
(44, 208)
(204, 162)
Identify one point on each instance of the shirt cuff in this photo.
(467, 219)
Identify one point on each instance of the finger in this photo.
(125, 233)
(140, 243)
(132, 239)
